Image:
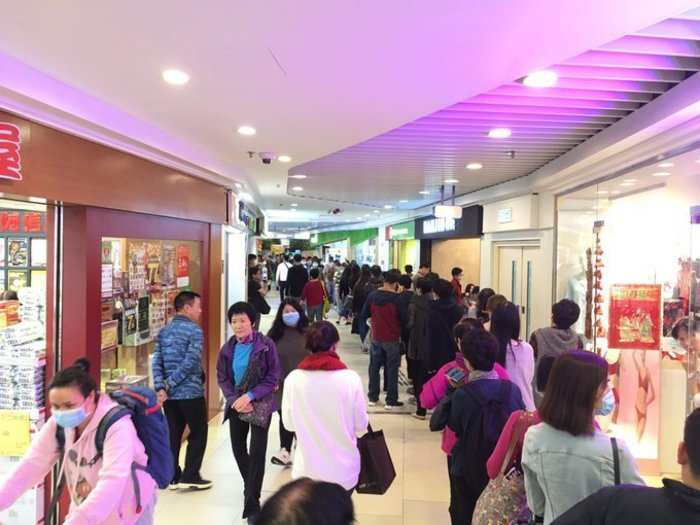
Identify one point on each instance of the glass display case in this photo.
(140, 279)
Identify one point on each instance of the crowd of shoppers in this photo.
(503, 405)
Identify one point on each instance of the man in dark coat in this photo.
(419, 339)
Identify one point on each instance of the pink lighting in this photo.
(541, 79)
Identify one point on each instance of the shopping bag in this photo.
(377, 471)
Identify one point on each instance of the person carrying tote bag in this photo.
(504, 500)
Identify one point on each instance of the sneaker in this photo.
(174, 485)
(420, 417)
(197, 483)
(282, 458)
(373, 402)
(392, 406)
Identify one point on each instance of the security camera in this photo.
(266, 157)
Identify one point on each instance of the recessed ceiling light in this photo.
(246, 130)
(294, 210)
(666, 165)
(615, 192)
(297, 176)
(451, 181)
(627, 184)
(602, 192)
(661, 174)
(175, 77)
(388, 206)
(499, 133)
(630, 181)
(403, 201)
(474, 166)
(297, 188)
(424, 192)
(294, 205)
(284, 158)
(541, 79)
(376, 211)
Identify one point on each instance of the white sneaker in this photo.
(282, 458)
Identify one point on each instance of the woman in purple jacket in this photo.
(248, 371)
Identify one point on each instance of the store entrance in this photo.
(518, 277)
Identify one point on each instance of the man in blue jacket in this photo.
(179, 381)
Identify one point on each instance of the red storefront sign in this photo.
(10, 161)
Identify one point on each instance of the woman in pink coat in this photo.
(102, 493)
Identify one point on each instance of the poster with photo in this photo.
(153, 252)
(17, 279)
(38, 252)
(635, 317)
(137, 267)
(17, 252)
(183, 266)
(167, 267)
(106, 252)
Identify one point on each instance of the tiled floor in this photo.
(418, 496)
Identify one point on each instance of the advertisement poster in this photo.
(106, 252)
(137, 267)
(183, 266)
(2, 251)
(39, 253)
(14, 432)
(168, 263)
(638, 421)
(130, 327)
(153, 262)
(17, 252)
(17, 279)
(635, 317)
(106, 281)
(110, 336)
(144, 319)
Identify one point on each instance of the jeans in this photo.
(286, 437)
(193, 414)
(386, 355)
(251, 464)
(330, 289)
(314, 313)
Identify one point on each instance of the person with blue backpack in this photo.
(112, 450)
(179, 380)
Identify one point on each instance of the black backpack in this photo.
(483, 431)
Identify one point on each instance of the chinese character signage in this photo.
(635, 317)
(12, 221)
(10, 160)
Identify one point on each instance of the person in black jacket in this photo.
(677, 503)
(256, 293)
(445, 313)
(297, 277)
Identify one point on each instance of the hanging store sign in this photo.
(10, 159)
(469, 225)
(246, 216)
(401, 232)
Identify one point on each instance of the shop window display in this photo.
(628, 255)
(140, 279)
(23, 266)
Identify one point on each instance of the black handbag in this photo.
(377, 471)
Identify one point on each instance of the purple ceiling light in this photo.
(585, 95)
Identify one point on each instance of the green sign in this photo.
(402, 231)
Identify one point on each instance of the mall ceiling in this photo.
(594, 90)
(316, 77)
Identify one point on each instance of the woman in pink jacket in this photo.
(102, 493)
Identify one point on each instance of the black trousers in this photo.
(420, 377)
(251, 463)
(283, 289)
(463, 498)
(191, 413)
(286, 437)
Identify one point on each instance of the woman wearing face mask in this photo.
(102, 491)
(248, 372)
(324, 403)
(289, 334)
(566, 458)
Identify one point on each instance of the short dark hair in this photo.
(406, 281)
(77, 375)
(278, 327)
(251, 257)
(297, 258)
(391, 277)
(691, 438)
(314, 273)
(495, 302)
(321, 336)
(565, 313)
(505, 325)
(483, 298)
(425, 285)
(376, 271)
(456, 271)
(408, 268)
(424, 265)
(466, 325)
(308, 502)
(572, 392)
(468, 289)
(242, 307)
(185, 298)
(480, 348)
(432, 275)
(443, 288)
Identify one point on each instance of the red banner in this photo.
(183, 266)
(635, 316)
(10, 160)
